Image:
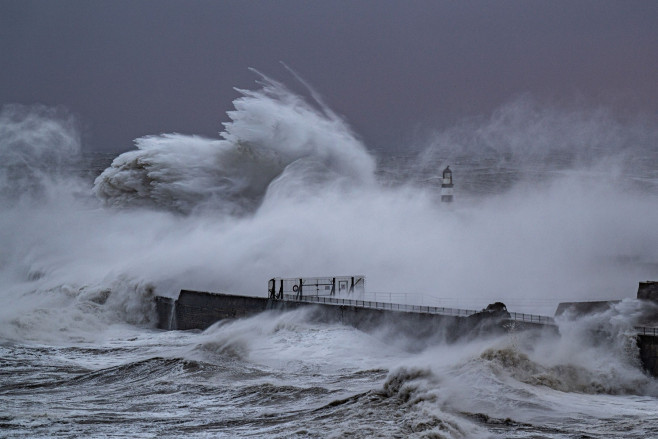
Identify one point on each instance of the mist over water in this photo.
(551, 204)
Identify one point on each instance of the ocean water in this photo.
(551, 204)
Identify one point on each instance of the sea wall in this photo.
(199, 310)
(648, 291)
(648, 345)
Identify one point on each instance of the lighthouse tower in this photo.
(446, 185)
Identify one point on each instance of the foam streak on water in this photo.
(552, 204)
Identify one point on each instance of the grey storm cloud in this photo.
(391, 68)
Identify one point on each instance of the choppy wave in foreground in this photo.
(275, 375)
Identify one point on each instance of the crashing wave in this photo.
(273, 135)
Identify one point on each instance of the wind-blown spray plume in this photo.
(273, 135)
(38, 145)
(527, 141)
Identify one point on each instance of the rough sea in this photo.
(551, 204)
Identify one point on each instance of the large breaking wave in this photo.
(275, 142)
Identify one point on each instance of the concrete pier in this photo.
(647, 335)
(199, 310)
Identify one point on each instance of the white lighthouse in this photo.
(446, 185)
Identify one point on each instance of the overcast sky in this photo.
(393, 69)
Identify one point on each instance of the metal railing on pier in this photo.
(643, 330)
(531, 318)
(515, 316)
(519, 317)
(381, 305)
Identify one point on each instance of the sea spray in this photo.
(527, 141)
(39, 151)
(273, 135)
